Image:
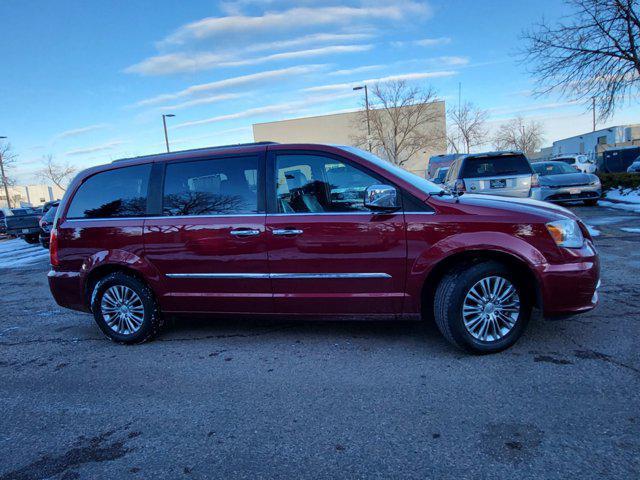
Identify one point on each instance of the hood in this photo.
(529, 206)
(566, 179)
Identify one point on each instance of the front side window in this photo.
(318, 184)
(112, 194)
(227, 186)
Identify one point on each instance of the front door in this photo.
(210, 244)
(327, 253)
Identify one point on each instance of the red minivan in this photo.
(310, 230)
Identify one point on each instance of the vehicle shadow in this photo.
(287, 329)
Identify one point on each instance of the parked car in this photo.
(440, 175)
(46, 222)
(505, 173)
(439, 161)
(560, 182)
(582, 163)
(619, 159)
(299, 230)
(635, 166)
(3, 227)
(23, 223)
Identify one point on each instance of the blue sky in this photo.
(88, 80)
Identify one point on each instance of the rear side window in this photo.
(226, 186)
(112, 194)
(500, 165)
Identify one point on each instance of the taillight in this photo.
(535, 180)
(53, 248)
(460, 186)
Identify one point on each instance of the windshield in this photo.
(442, 172)
(552, 168)
(425, 185)
(480, 167)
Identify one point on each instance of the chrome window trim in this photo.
(295, 276)
(166, 217)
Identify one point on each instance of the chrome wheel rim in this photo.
(122, 309)
(491, 308)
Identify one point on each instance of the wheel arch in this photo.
(105, 269)
(470, 257)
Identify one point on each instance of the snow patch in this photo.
(630, 229)
(593, 231)
(629, 207)
(629, 195)
(18, 253)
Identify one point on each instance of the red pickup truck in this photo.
(310, 230)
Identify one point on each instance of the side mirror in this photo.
(381, 197)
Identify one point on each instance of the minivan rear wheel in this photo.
(125, 309)
(482, 307)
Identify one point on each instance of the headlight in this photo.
(566, 233)
(595, 181)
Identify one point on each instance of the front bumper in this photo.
(570, 194)
(570, 288)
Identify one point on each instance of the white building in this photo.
(30, 195)
(594, 143)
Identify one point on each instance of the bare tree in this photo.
(7, 159)
(519, 134)
(592, 53)
(404, 121)
(468, 128)
(58, 173)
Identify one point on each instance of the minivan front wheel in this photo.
(482, 307)
(125, 309)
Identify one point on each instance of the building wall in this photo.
(30, 195)
(593, 143)
(343, 129)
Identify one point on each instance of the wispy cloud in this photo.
(334, 49)
(228, 83)
(312, 39)
(512, 110)
(79, 131)
(278, 108)
(203, 101)
(198, 61)
(299, 17)
(424, 42)
(95, 148)
(390, 78)
(351, 71)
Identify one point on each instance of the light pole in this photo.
(4, 179)
(366, 103)
(164, 123)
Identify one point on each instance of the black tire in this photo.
(449, 300)
(152, 323)
(591, 203)
(31, 239)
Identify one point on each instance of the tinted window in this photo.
(226, 186)
(314, 184)
(50, 215)
(555, 168)
(569, 160)
(112, 194)
(477, 167)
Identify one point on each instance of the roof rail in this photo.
(217, 147)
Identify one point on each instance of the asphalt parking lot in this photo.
(277, 399)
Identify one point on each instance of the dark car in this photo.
(310, 230)
(24, 223)
(46, 222)
(559, 182)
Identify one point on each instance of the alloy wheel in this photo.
(491, 308)
(122, 309)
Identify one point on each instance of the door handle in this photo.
(244, 232)
(287, 231)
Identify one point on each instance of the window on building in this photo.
(226, 186)
(112, 194)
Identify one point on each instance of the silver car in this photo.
(497, 173)
(560, 182)
(635, 166)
